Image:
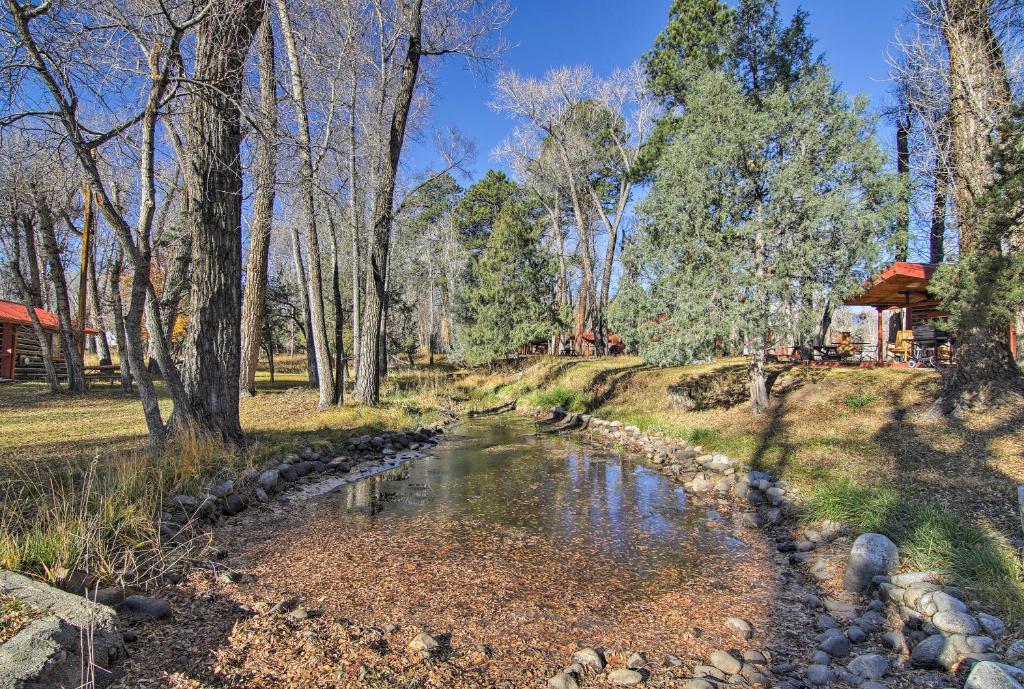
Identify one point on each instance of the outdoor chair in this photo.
(900, 349)
(844, 345)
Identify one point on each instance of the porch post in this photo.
(878, 337)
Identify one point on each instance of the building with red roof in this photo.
(20, 353)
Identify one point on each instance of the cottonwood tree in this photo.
(59, 49)
(213, 178)
(407, 33)
(594, 129)
(260, 227)
(980, 102)
(754, 205)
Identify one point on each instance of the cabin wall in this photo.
(7, 352)
(28, 357)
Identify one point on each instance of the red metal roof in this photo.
(13, 312)
(895, 284)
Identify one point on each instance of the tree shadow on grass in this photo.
(607, 383)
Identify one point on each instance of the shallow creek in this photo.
(516, 548)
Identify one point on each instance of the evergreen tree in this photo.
(750, 42)
(509, 303)
(755, 205)
(478, 209)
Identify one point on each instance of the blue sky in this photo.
(854, 36)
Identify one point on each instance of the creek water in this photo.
(521, 542)
(502, 474)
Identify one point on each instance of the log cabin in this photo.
(20, 354)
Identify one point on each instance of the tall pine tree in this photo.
(755, 205)
(509, 303)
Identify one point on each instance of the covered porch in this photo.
(907, 332)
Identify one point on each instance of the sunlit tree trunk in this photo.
(318, 325)
(212, 347)
(367, 388)
(265, 180)
(55, 271)
(979, 99)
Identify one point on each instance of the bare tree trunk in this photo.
(355, 209)
(367, 388)
(29, 295)
(176, 285)
(339, 314)
(758, 382)
(97, 313)
(212, 347)
(979, 100)
(903, 125)
(560, 282)
(254, 303)
(117, 310)
(318, 323)
(583, 227)
(55, 270)
(940, 176)
(35, 281)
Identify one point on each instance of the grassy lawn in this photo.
(79, 490)
(850, 439)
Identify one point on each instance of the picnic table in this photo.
(109, 372)
(831, 352)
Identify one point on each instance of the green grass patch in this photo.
(930, 538)
(570, 400)
(860, 400)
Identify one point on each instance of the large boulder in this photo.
(989, 675)
(48, 652)
(872, 555)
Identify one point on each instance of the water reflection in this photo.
(502, 474)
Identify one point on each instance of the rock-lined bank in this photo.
(78, 641)
(886, 630)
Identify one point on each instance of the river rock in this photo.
(636, 661)
(563, 680)
(1015, 650)
(856, 635)
(725, 662)
(624, 677)
(872, 554)
(222, 489)
(268, 480)
(740, 627)
(993, 626)
(145, 608)
(953, 622)
(895, 641)
(869, 666)
(989, 675)
(234, 503)
(424, 642)
(835, 644)
(185, 503)
(698, 684)
(927, 653)
(944, 602)
(979, 644)
(818, 675)
(589, 658)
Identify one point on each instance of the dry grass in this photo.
(79, 492)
